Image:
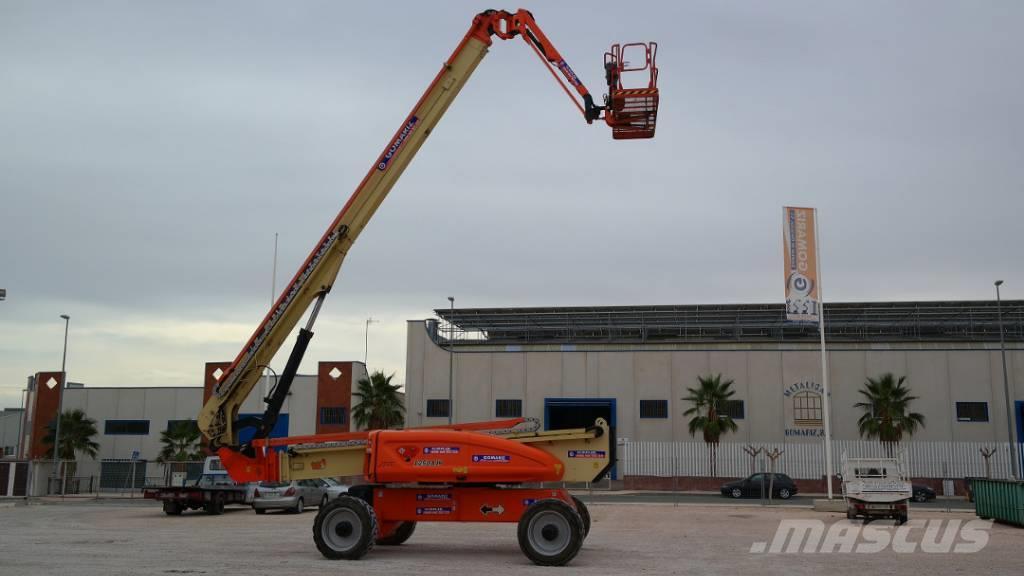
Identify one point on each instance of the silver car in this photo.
(295, 495)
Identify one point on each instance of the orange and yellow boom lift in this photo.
(461, 473)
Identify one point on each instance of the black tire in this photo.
(920, 497)
(324, 500)
(260, 510)
(850, 514)
(399, 536)
(550, 532)
(300, 506)
(785, 494)
(172, 508)
(345, 529)
(215, 506)
(584, 513)
(736, 492)
(901, 519)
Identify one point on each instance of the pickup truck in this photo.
(876, 488)
(214, 490)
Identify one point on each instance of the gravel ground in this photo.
(113, 538)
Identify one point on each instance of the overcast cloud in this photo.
(149, 151)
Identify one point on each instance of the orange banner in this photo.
(801, 256)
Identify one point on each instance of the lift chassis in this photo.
(462, 473)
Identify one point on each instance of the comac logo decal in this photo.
(399, 140)
(433, 511)
(441, 450)
(433, 497)
(586, 454)
(501, 458)
(569, 73)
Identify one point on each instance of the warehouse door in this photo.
(560, 413)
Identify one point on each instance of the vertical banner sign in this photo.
(800, 247)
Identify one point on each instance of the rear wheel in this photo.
(550, 533)
(345, 529)
(920, 497)
(784, 493)
(323, 501)
(172, 508)
(300, 506)
(400, 535)
(260, 510)
(584, 513)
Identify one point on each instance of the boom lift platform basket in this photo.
(631, 112)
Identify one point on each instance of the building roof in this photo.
(941, 321)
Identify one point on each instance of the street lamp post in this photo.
(366, 337)
(60, 400)
(451, 360)
(1006, 386)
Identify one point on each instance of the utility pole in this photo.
(451, 360)
(1015, 473)
(60, 400)
(366, 337)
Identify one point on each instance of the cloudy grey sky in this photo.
(150, 150)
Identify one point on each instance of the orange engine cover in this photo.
(446, 456)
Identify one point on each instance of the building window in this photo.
(654, 408)
(972, 411)
(126, 427)
(437, 408)
(172, 424)
(807, 409)
(508, 408)
(735, 409)
(333, 416)
(8, 450)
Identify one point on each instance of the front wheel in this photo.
(215, 506)
(172, 508)
(345, 529)
(736, 493)
(323, 501)
(550, 533)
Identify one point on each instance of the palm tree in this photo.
(180, 443)
(76, 437)
(887, 415)
(708, 411)
(380, 405)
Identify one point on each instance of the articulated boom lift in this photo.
(465, 472)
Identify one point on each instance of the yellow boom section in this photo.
(217, 417)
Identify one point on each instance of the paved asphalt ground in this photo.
(703, 535)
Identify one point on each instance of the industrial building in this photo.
(633, 365)
(130, 420)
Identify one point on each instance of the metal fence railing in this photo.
(807, 460)
(111, 476)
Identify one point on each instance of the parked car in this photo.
(782, 486)
(923, 493)
(296, 495)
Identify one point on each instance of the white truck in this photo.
(211, 492)
(876, 488)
